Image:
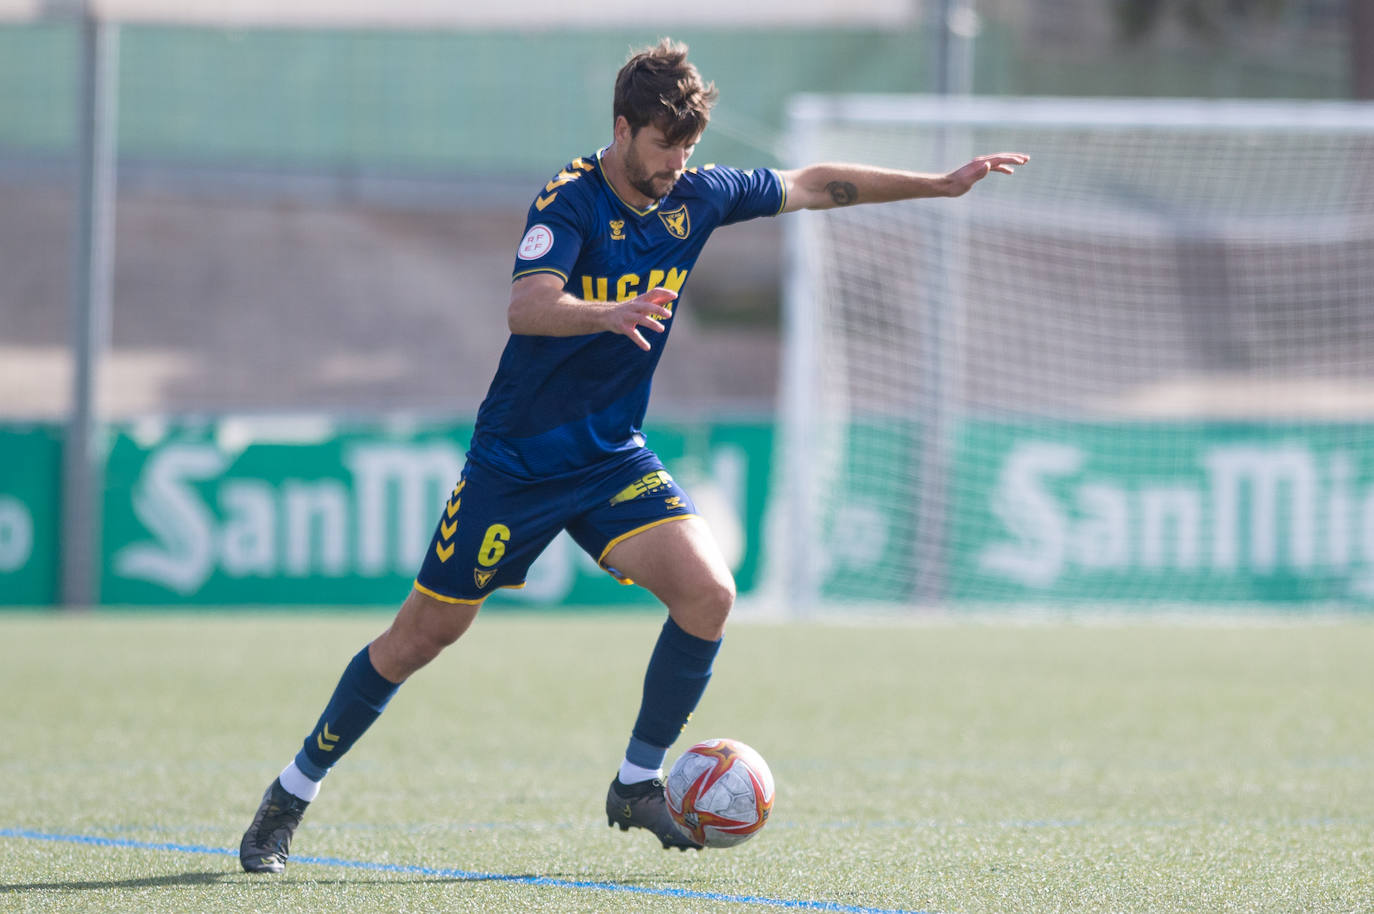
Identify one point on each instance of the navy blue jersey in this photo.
(561, 404)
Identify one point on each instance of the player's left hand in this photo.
(648, 310)
(961, 180)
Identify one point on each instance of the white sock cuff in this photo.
(294, 782)
(630, 773)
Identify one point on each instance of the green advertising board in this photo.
(305, 511)
(30, 514)
(869, 523)
(1163, 512)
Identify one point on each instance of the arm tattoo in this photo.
(843, 192)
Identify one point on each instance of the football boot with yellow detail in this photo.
(644, 805)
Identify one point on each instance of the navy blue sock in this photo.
(679, 669)
(358, 699)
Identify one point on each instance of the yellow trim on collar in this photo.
(611, 187)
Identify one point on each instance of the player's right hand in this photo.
(646, 310)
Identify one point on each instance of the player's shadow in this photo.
(209, 877)
(142, 882)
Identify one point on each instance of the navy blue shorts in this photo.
(493, 526)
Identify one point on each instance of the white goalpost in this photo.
(1138, 372)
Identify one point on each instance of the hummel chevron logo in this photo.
(448, 529)
(326, 740)
(444, 552)
(453, 508)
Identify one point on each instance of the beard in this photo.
(653, 186)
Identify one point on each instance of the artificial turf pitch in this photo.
(965, 766)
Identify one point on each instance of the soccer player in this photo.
(608, 245)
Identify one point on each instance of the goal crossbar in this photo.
(1087, 113)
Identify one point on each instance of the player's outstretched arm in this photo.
(540, 307)
(830, 184)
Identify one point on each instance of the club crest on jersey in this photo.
(677, 222)
(482, 578)
(617, 229)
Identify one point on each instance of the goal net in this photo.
(1140, 371)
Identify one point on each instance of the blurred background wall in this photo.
(324, 217)
(314, 212)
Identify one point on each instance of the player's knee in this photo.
(420, 632)
(430, 640)
(411, 647)
(725, 594)
(717, 598)
(702, 611)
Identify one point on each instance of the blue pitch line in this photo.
(411, 869)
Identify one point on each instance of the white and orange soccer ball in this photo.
(720, 792)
